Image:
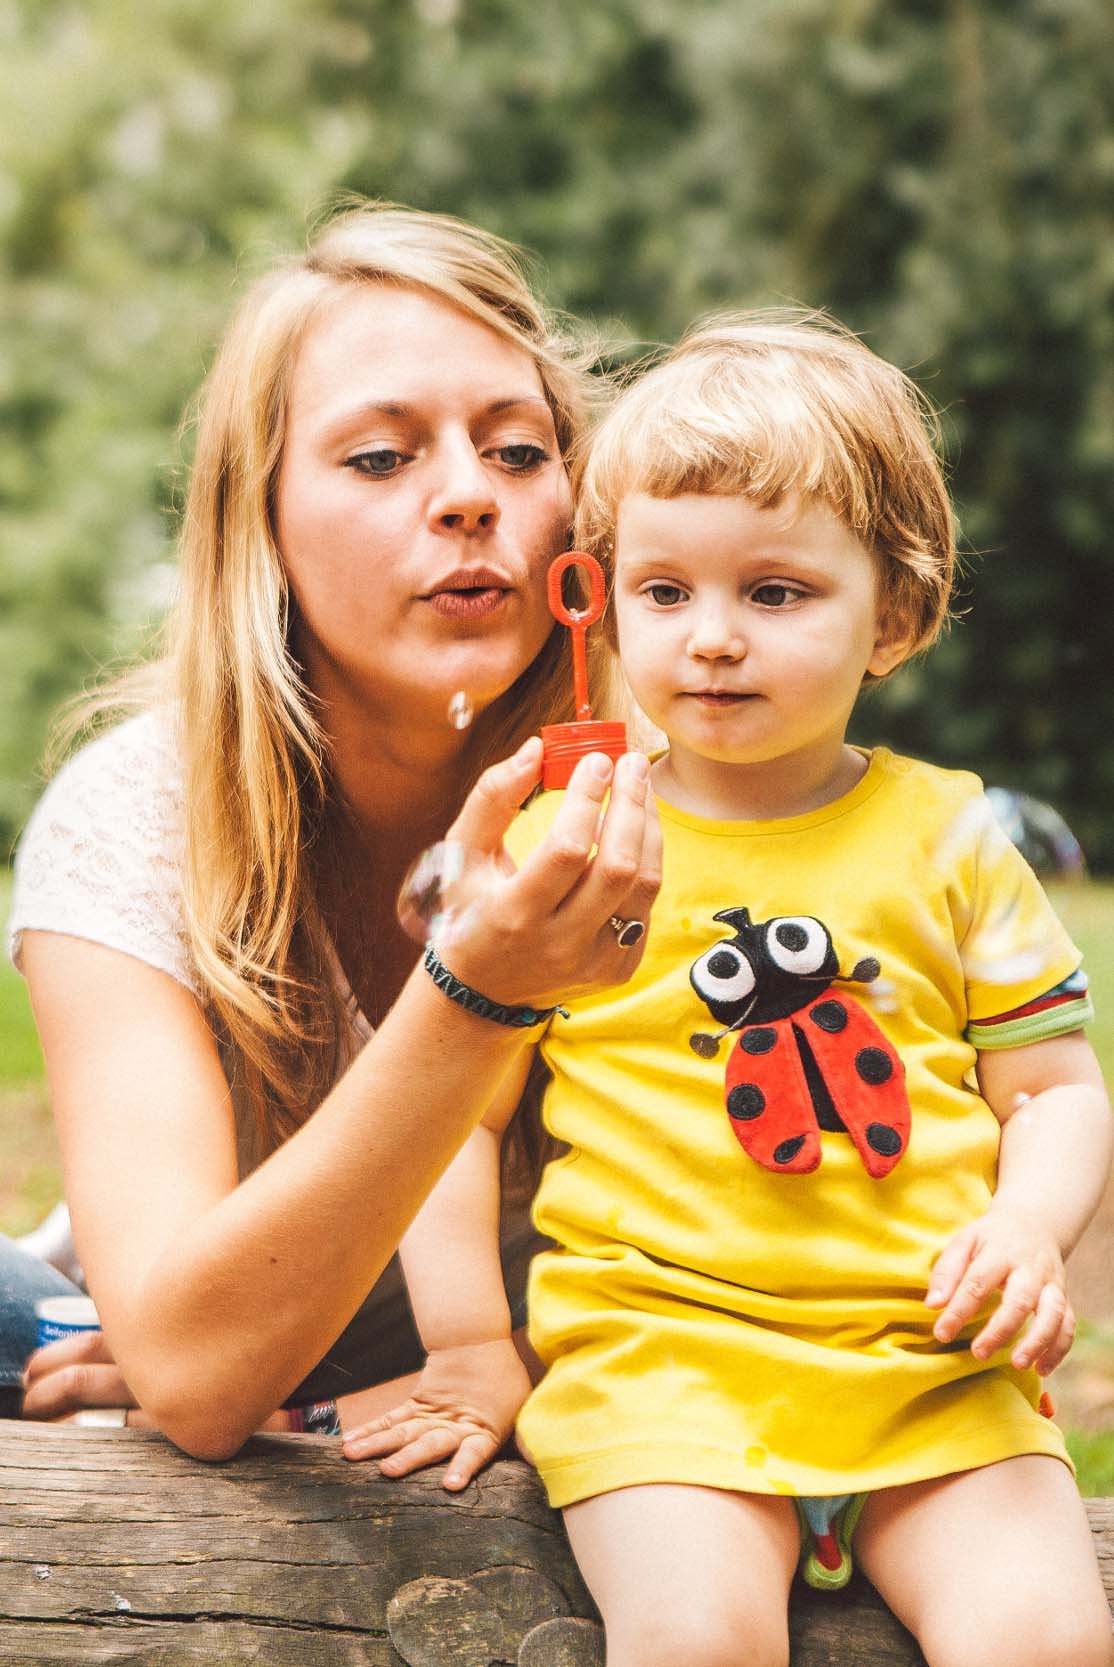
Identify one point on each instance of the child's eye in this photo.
(775, 595)
(665, 596)
(522, 456)
(383, 460)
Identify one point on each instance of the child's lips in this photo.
(721, 697)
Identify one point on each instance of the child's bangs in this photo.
(757, 434)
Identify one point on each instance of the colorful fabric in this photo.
(1067, 1007)
(711, 1314)
(827, 1528)
(318, 1418)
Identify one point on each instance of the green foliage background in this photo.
(940, 174)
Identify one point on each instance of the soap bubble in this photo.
(1039, 832)
(423, 896)
(441, 885)
(461, 710)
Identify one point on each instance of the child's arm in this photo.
(1053, 1165)
(473, 1383)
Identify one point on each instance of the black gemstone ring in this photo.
(628, 932)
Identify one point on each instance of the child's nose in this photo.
(715, 637)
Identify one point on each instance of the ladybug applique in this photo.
(807, 1058)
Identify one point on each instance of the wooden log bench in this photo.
(115, 1548)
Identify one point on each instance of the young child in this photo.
(844, 1101)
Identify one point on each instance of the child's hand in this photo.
(1016, 1254)
(463, 1409)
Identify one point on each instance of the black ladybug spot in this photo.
(791, 936)
(874, 1066)
(759, 1040)
(723, 964)
(787, 1151)
(745, 1102)
(881, 1138)
(830, 1016)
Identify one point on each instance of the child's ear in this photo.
(892, 645)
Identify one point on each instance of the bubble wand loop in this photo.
(564, 744)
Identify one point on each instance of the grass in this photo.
(1092, 1453)
(30, 1180)
(21, 1060)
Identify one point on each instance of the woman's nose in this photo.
(464, 500)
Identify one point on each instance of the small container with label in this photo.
(63, 1316)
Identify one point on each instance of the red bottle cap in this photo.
(564, 744)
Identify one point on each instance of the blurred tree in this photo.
(939, 175)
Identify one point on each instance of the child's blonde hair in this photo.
(775, 402)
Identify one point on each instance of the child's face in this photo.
(746, 632)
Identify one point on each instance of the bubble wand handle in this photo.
(564, 744)
(577, 619)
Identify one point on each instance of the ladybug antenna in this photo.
(708, 1046)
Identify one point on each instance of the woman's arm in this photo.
(1057, 1138)
(217, 1297)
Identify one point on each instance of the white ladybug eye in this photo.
(723, 974)
(797, 943)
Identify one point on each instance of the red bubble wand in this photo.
(566, 743)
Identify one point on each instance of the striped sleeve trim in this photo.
(1063, 1009)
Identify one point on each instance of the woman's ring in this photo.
(628, 932)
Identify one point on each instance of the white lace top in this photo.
(101, 857)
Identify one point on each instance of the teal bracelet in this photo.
(520, 1018)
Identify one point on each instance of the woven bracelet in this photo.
(520, 1018)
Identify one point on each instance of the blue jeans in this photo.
(23, 1280)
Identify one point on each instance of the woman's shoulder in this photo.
(101, 856)
(126, 783)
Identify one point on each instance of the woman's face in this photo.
(420, 499)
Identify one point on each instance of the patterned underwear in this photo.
(827, 1526)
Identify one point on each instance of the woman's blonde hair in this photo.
(783, 401)
(256, 764)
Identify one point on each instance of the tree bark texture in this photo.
(115, 1548)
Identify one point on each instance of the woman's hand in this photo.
(1017, 1254)
(542, 934)
(463, 1409)
(65, 1378)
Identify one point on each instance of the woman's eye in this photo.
(775, 596)
(665, 596)
(384, 460)
(522, 457)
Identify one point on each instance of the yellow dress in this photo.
(707, 1319)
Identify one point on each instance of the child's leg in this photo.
(687, 1576)
(990, 1566)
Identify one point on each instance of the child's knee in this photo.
(1054, 1639)
(699, 1639)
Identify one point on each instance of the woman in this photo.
(205, 902)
